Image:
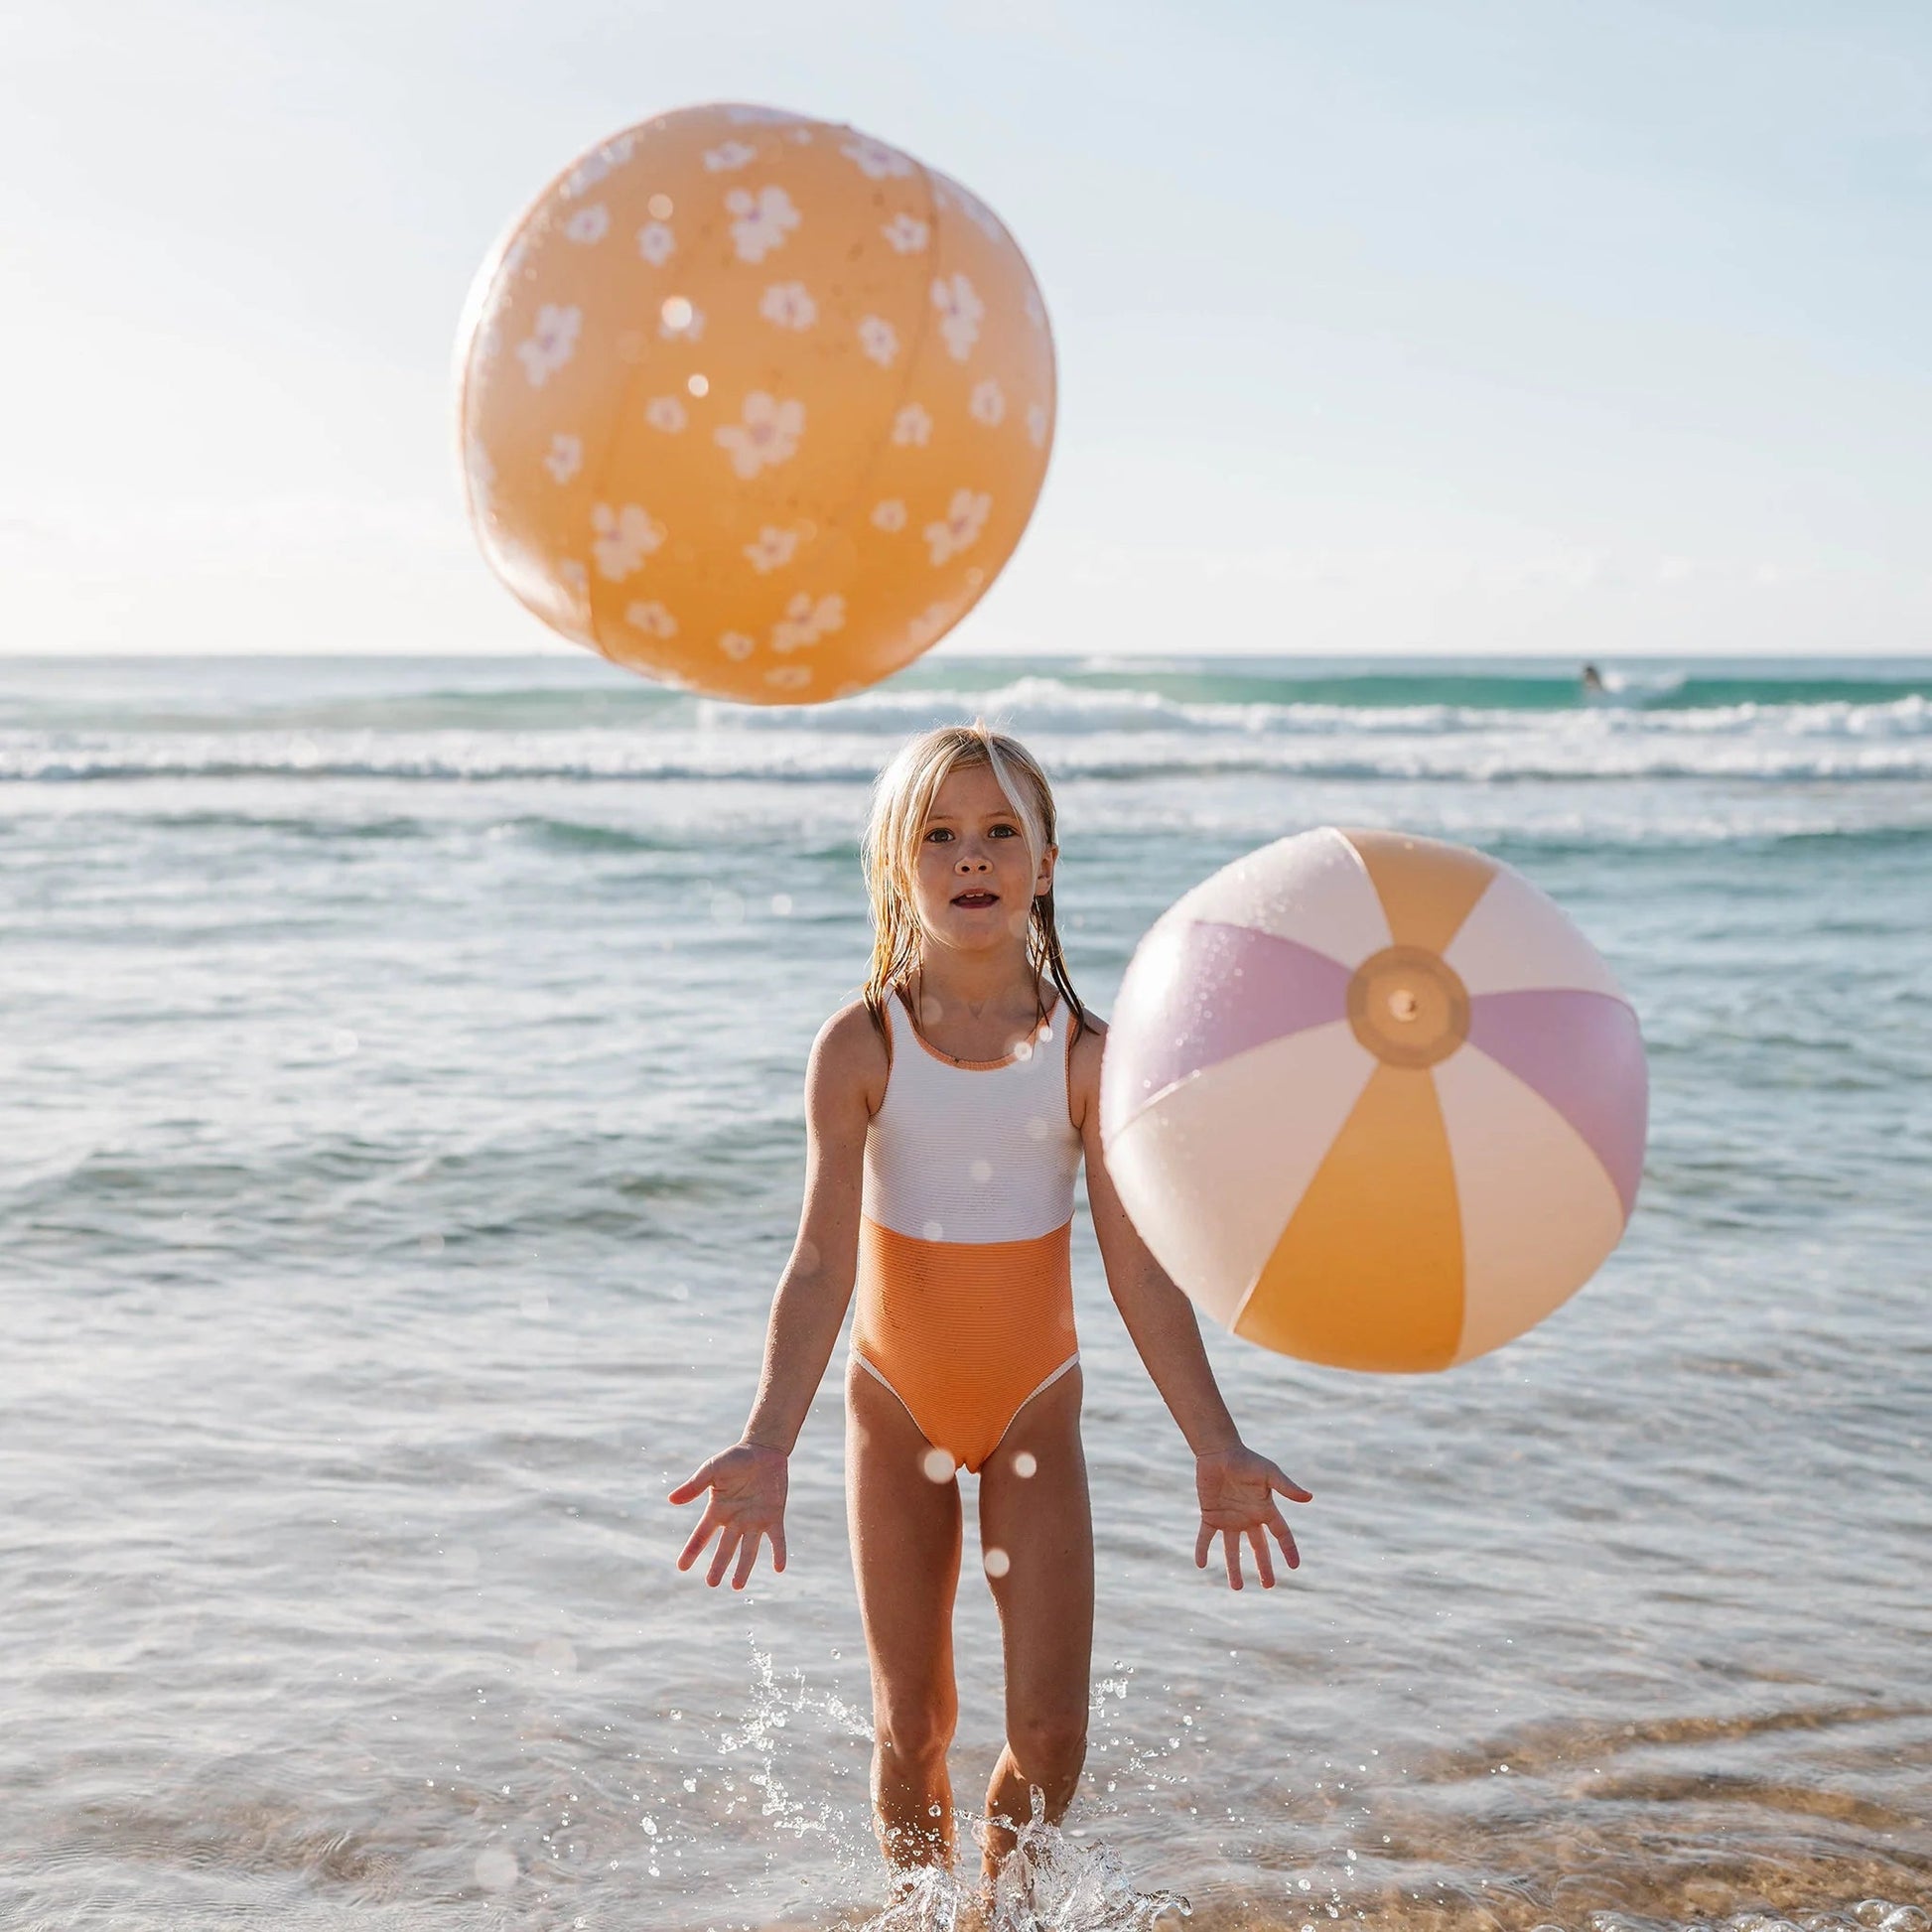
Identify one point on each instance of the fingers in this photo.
(698, 1539)
(1286, 1537)
(1286, 1485)
(694, 1485)
(721, 1557)
(1231, 1549)
(1203, 1543)
(1264, 1562)
(748, 1557)
(778, 1534)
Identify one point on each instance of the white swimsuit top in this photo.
(972, 1151)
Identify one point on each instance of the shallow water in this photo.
(401, 1134)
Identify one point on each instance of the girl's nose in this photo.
(974, 862)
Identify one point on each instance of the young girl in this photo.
(947, 1113)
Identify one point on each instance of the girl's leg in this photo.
(1043, 1526)
(905, 1555)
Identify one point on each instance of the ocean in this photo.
(399, 1136)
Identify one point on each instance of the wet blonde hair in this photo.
(901, 802)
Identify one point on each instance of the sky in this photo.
(1461, 325)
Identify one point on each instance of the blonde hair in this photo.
(901, 802)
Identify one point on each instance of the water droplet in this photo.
(677, 312)
(659, 207)
(998, 1563)
(982, 1171)
(698, 385)
(1026, 1463)
(938, 1465)
(934, 1231)
(781, 905)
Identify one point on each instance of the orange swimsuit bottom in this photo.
(965, 1299)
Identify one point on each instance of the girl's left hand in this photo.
(1237, 1491)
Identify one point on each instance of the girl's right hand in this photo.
(747, 1501)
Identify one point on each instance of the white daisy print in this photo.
(656, 243)
(587, 225)
(788, 678)
(761, 221)
(947, 192)
(552, 342)
(789, 305)
(879, 339)
(566, 457)
(1037, 424)
(807, 618)
(652, 618)
(876, 161)
(988, 404)
(773, 549)
(913, 427)
(908, 235)
(960, 313)
(930, 625)
(665, 413)
(961, 527)
(595, 167)
(680, 319)
(889, 517)
(730, 157)
(625, 538)
(767, 434)
(737, 646)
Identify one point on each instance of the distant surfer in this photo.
(1593, 685)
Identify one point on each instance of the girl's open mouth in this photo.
(973, 901)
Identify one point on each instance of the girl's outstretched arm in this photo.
(844, 1085)
(1235, 1485)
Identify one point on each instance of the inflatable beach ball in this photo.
(753, 404)
(1373, 1100)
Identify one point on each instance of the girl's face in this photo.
(975, 884)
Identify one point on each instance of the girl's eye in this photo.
(938, 835)
(1003, 832)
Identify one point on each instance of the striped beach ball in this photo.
(1373, 1100)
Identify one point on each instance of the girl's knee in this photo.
(1049, 1748)
(916, 1736)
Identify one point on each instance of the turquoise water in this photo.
(399, 1099)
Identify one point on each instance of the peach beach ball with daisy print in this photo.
(753, 404)
(1373, 1100)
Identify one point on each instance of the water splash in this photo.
(1049, 1883)
(1052, 1881)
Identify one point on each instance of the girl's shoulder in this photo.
(850, 1052)
(1083, 1053)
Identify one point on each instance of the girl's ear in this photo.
(1043, 878)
